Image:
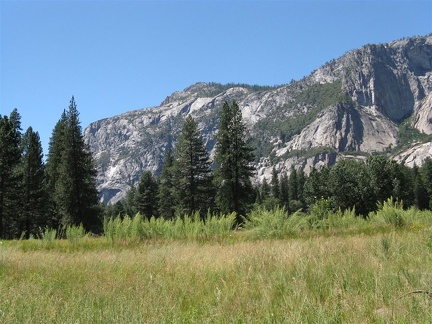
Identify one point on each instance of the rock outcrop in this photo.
(351, 105)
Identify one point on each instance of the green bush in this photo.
(391, 212)
(75, 233)
(275, 223)
(48, 236)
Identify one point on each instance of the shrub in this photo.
(275, 223)
(391, 212)
(74, 233)
(48, 236)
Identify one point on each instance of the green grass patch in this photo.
(320, 267)
(320, 279)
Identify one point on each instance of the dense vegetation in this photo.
(187, 247)
(61, 192)
(335, 267)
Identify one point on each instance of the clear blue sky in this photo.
(116, 56)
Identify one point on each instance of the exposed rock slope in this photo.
(352, 104)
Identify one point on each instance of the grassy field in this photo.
(318, 276)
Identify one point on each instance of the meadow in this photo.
(320, 268)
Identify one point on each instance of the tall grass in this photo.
(321, 279)
(276, 223)
(48, 236)
(178, 272)
(185, 227)
(259, 223)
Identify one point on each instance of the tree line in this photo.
(191, 182)
(350, 184)
(35, 194)
(187, 182)
(62, 190)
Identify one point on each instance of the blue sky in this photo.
(116, 56)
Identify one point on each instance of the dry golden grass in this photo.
(358, 278)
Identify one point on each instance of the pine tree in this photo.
(114, 210)
(275, 184)
(146, 200)
(234, 157)
(421, 198)
(192, 170)
(72, 175)
(166, 187)
(129, 202)
(284, 201)
(317, 185)
(33, 198)
(293, 197)
(57, 146)
(10, 154)
(301, 180)
(265, 190)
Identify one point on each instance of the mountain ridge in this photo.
(352, 105)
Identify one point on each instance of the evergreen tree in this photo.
(234, 157)
(317, 185)
(10, 154)
(294, 196)
(275, 184)
(426, 174)
(129, 202)
(166, 187)
(350, 186)
(403, 184)
(265, 190)
(301, 180)
(421, 199)
(292, 185)
(114, 210)
(382, 175)
(33, 198)
(72, 175)
(146, 200)
(57, 146)
(284, 192)
(192, 170)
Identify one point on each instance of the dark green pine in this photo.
(10, 155)
(33, 200)
(234, 158)
(192, 171)
(146, 196)
(167, 187)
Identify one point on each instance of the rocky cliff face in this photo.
(351, 105)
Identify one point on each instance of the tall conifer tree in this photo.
(234, 157)
(146, 196)
(56, 150)
(72, 175)
(10, 154)
(284, 192)
(166, 187)
(275, 184)
(33, 202)
(192, 170)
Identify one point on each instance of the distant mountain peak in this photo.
(353, 105)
